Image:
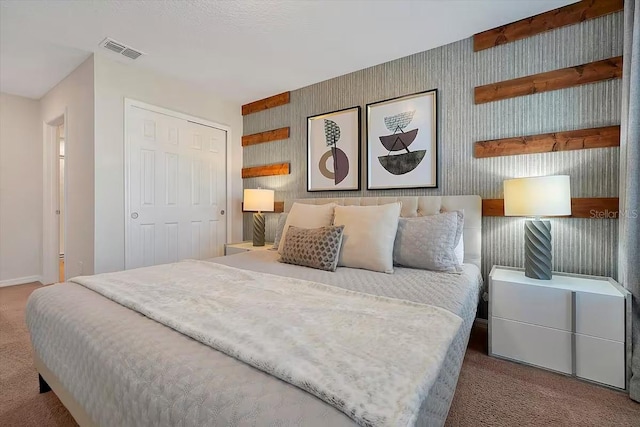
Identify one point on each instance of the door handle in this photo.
(134, 215)
(222, 212)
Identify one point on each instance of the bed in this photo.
(112, 366)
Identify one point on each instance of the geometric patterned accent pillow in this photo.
(312, 247)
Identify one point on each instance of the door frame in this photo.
(128, 102)
(51, 191)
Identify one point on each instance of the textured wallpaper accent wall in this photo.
(579, 245)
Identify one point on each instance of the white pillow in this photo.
(307, 216)
(460, 249)
(369, 234)
(282, 220)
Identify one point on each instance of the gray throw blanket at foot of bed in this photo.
(373, 358)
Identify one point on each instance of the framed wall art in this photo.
(333, 151)
(402, 142)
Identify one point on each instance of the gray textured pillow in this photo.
(313, 247)
(282, 220)
(429, 242)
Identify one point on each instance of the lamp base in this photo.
(537, 249)
(258, 229)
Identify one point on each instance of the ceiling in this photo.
(241, 50)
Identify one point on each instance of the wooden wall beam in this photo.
(268, 136)
(552, 80)
(590, 207)
(492, 207)
(595, 207)
(264, 104)
(556, 18)
(278, 207)
(549, 142)
(266, 170)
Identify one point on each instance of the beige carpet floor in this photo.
(490, 392)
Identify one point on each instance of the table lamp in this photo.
(258, 200)
(536, 197)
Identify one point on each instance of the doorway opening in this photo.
(54, 237)
(60, 211)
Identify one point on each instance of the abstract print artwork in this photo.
(402, 142)
(333, 151)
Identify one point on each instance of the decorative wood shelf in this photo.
(593, 207)
(268, 136)
(264, 104)
(278, 207)
(492, 207)
(552, 80)
(549, 142)
(266, 170)
(608, 207)
(556, 18)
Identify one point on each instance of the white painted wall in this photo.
(114, 82)
(20, 190)
(76, 94)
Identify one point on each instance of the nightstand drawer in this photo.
(600, 360)
(537, 345)
(575, 324)
(543, 306)
(600, 316)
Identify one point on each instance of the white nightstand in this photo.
(573, 324)
(236, 248)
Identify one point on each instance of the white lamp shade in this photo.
(538, 196)
(258, 200)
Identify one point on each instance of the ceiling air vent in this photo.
(130, 53)
(120, 48)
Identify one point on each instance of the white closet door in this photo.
(176, 189)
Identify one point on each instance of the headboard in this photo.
(413, 206)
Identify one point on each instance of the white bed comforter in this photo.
(373, 358)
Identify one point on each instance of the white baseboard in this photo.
(20, 281)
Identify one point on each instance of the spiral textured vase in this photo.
(258, 229)
(537, 249)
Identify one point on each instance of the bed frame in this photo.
(48, 381)
(412, 206)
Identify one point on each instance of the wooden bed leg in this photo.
(44, 387)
